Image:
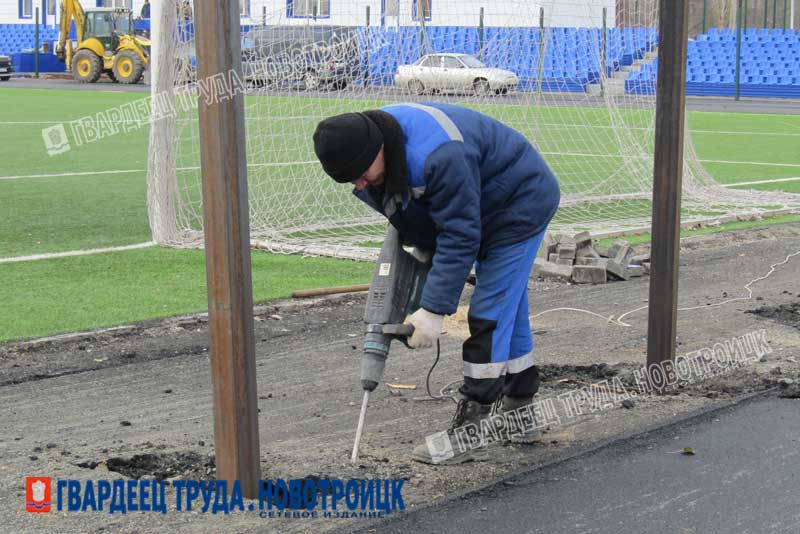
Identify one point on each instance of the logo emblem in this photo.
(439, 447)
(55, 140)
(37, 494)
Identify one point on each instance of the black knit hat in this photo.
(346, 145)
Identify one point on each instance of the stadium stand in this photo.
(770, 58)
(570, 62)
(19, 41)
(770, 65)
(16, 38)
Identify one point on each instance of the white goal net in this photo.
(577, 78)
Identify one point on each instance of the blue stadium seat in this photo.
(573, 54)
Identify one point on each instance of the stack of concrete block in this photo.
(580, 260)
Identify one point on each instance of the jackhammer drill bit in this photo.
(360, 428)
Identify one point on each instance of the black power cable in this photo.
(428, 378)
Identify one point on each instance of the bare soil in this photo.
(136, 401)
(788, 314)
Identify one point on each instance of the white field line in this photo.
(646, 129)
(749, 163)
(315, 117)
(64, 174)
(314, 162)
(757, 182)
(132, 171)
(259, 165)
(562, 125)
(588, 155)
(25, 123)
(68, 253)
(723, 132)
(146, 121)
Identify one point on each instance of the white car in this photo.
(456, 73)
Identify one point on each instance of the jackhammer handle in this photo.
(399, 330)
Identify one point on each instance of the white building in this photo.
(581, 13)
(23, 11)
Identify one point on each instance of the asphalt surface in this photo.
(716, 104)
(744, 477)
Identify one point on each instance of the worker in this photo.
(146, 9)
(472, 191)
(186, 9)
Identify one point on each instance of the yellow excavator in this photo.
(106, 44)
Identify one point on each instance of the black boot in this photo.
(521, 423)
(462, 442)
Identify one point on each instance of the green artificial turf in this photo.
(77, 293)
(80, 199)
(95, 195)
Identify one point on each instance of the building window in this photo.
(51, 7)
(115, 3)
(25, 9)
(244, 8)
(309, 8)
(421, 6)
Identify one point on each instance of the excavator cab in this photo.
(101, 25)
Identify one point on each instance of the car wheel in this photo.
(481, 87)
(416, 87)
(5, 78)
(311, 80)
